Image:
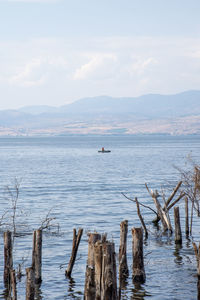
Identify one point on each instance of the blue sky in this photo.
(53, 52)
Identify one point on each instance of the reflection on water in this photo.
(71, 292)
(139, 292)
(178, 258)
(38, 292)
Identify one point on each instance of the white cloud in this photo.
(98, 67)
(37, 71)
(65, 70)
(141, 65)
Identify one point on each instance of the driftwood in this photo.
(173, 193)
(138, 260)
(178, 234)
(75, 245)
(141, 218)
(161, 213)
(167, 205)
(146, 206)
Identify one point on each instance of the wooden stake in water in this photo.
(197, 254)
(186, 217)
(30, 284)
(37, 255)
(13, 284)
(8, 259)
(109, 276)
(75, 244)
(89, 293)
(123, 266)
(178, 234)
(138, 260)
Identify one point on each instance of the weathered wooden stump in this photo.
(138, 260)
(37, 255)
(8, 258)
(197, 254)
(30, 283)
(90, 290)
(178, 234)
(75, 245)
(109, 275)
(13, 284)
(123, 266)
(105, 271)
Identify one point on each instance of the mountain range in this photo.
(149, 114)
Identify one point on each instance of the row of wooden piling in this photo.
(101, 271)
(33, 273)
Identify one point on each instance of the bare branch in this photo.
(140, 204)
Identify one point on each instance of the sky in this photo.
(53, 52)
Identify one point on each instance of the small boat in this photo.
(103, 150)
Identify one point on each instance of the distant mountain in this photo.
(152, 105)
(36, 110)
(153, 113)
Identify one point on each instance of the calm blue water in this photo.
(83, 189)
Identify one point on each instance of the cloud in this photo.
(37, 71)
(99, 66)
(141, 65)
(68, 69)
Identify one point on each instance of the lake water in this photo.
(83, 188)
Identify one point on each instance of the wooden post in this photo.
(89, 293)
(105, 271)
(197, 254)
(13, 284)
(198, 289)
(8, 259)
(186, 217)
(138, 260)
(75, 244)
(123, 266)
(30, 284)
(98, 268)
(178, 234)
(109, 277)
(37, 255)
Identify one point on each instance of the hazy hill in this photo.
(152, 105)
(174, 114)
